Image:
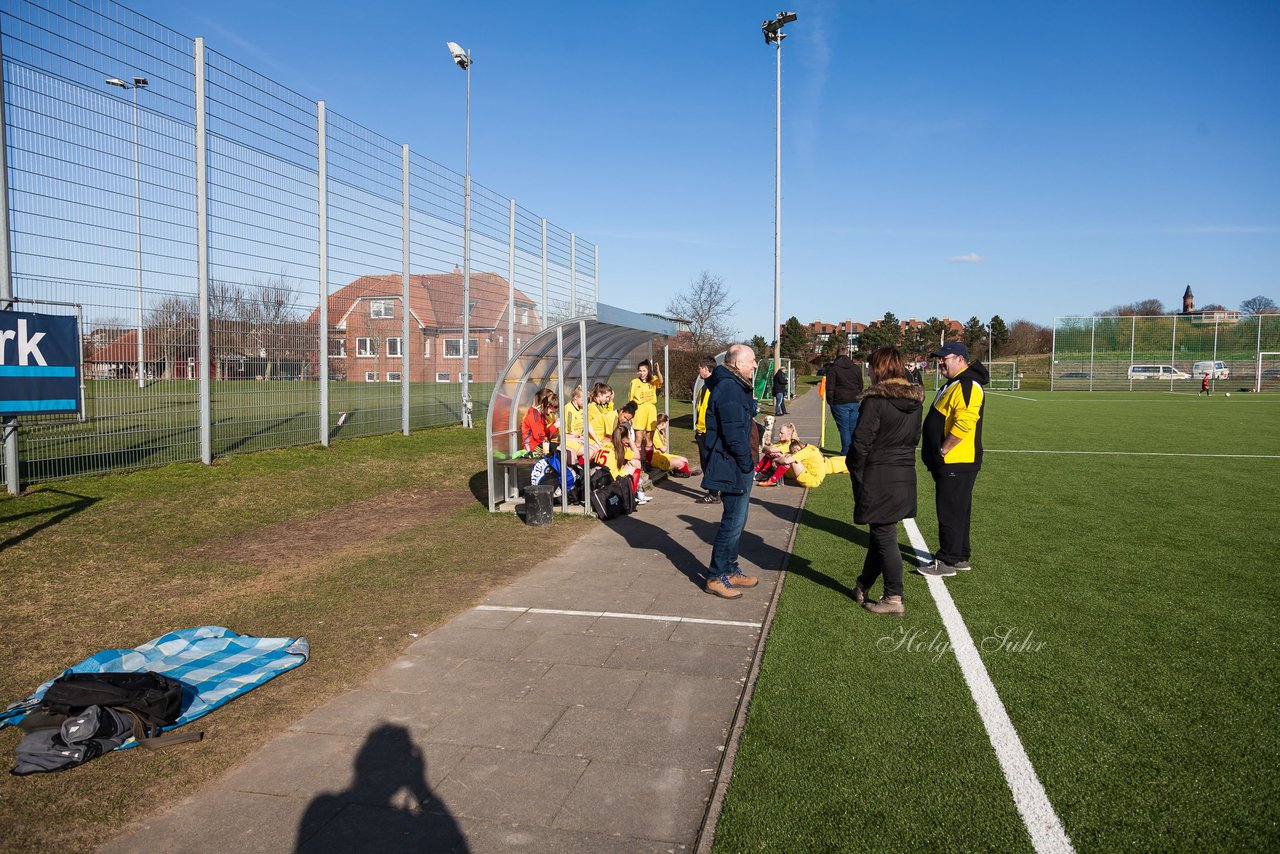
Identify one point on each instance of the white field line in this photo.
(656, 617)
(1136, 454)
(1029, 796)
(1006, 394)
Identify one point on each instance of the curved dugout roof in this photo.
(555, 358)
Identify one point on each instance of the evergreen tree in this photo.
(999, 333)
(795, 340)
(761, 346)
(974, 335)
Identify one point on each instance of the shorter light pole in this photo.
(463, 59)
(138, 83)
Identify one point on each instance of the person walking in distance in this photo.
(1204, 386)
(952, 452)
(882, 468)
(844, 390)
(706, 365)
(730, 466)
(780, 392)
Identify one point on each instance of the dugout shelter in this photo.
(602, 347)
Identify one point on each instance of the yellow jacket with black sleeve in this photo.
(700, 411)
(957, 410)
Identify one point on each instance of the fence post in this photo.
(573, 275)
(1093, 333)
(202, 256)
(1173, 349)
(404, 290)
(597, 268)
(322, 221)
(1053, 352)
(1213, 369)
(11, 474)
(1133, 334)
(511, 280)
(544, 273)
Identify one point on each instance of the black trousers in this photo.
(700, 439)
(953, 499)
(883, 558)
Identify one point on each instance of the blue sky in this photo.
(1031, 159)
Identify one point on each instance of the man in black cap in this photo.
(951, 447)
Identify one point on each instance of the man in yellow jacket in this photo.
(951, 447)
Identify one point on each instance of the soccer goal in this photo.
(1004, 376)
(1267, 376)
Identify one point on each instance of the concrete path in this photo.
(586, 707)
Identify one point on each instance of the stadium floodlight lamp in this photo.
(460, 56)
(773, 29)
(116, 81)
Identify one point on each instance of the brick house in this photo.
(366, 327)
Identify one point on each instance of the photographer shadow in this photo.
(388, 806)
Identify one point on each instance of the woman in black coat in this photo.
(882, 467)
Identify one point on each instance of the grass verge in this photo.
(357, 547)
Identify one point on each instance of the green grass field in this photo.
(1141, 614)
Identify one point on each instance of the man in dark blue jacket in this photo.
(730, 465)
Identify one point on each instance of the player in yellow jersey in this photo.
(644, 394)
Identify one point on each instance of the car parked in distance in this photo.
(1075, 375)
(1156, 372)
(1216, 370)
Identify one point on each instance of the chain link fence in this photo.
(1167, 353)
(241, 254)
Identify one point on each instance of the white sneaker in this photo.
(641, 498)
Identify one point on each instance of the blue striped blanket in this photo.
(215, 665)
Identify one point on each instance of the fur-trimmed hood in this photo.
(904, 395)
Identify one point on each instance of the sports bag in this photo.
(153, 697)
(616, 499)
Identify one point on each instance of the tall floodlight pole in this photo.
(773, 35)
(138, 83)
(463, 59)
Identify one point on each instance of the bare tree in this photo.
(175, 326)
(226, 324)
(271, 313)
(1141, 308)
(1260, 305)
(706, 305)
(1026, 338)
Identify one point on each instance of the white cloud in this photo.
(971, 258)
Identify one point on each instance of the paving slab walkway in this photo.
(586, 707)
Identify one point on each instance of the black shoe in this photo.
(709, 498)
(937, 569)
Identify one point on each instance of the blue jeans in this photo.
(724, 551)
(846, 416)
(779, 404)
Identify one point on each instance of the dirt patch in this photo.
(286, 549)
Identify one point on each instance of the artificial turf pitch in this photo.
(1125, 607)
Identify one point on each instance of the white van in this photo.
(1155, 372)
(1219, 370)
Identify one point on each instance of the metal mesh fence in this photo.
(1169, 353)
(104, 190)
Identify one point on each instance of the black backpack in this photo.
(84, 715)
(153, 697)
(616, 499)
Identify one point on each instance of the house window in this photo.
(442, 376)
(470, 377)
(453, 348)
(364, 347)
(524, 317)
(382, 308)
(393, 346)
(337, 347)
(371, 376)
(393, 376)
(426, 348)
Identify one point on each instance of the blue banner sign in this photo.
(39, 364)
